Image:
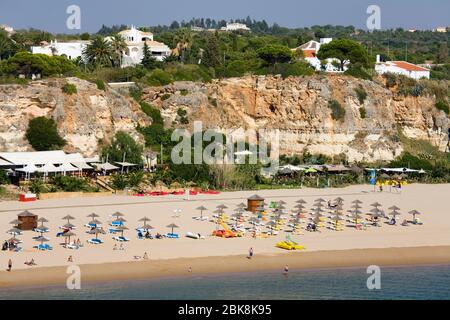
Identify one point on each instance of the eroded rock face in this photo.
(83, 118)
(298, 107)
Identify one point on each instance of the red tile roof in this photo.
(408, 66)
(309, 53)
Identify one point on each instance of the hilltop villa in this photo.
(235, 27)
(311, 49)
(135, 40)
(133, 37)
(402, 67)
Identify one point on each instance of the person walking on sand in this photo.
(250, 253)
(145, 256)
(190, 269)
(9, 265)
(70, 259)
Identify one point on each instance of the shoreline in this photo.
(171, 268)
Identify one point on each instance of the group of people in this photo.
(10, 245)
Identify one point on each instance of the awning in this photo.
(82, 166)
(106, 166)
(49, 168)
(126, 164)
(31, 168)
(67, 167)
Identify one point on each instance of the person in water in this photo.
(286, 270)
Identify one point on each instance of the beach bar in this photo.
(254, 202)
(28, 220)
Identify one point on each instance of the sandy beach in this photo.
(386, 245)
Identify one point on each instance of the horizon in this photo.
(425, 16)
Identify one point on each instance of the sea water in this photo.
(424, 282)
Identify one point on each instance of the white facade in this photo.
(402, 67)
(72, 50)
(235, 27)
(311, 49)
(134, 40)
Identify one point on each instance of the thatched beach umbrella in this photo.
(242, 205)
(121, 229)
(68, 226)
(172, 226)
(42, 239)
(376, 204)
(357, 201)
(118, 214)
(16, 222)
(301, 201)
(201, 208)
(97, 231)
(144, 220)
(394, 208)
(68, 218)
(339, 200)
(69, 234)
(414, 214)
(93, 216)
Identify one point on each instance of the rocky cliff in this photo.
(83, 118)
(299, 107)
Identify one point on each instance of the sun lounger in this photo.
(95, 241)
(112, 230)
(121, 239)
(172, 236)
(44, 247)
(116, 223)
(72, 246)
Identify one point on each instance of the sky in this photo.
(50, 15)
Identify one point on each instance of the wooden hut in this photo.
(28, 219)
(254, 202)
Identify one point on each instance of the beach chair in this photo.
(95, 241)
(121, 239)
(172, 236)
(117, 223)
(112, 230)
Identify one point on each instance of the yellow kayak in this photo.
(289, 245)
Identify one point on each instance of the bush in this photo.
(337, 111)
(182, 114)
(100, 84)
(42, 134)
(443, 106)
(361, 94)
(37, 187)
(69, 88)
(152, 112)
(71, 184)
(362, 112)
(391, 79)
(158, 77)
(3, 177)
(359, 73)
(165, 96)
(123, 145)
(136, 93)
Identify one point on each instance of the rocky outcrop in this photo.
(83, 118)
(299, 108)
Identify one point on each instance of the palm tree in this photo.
(183, 40)
(99, 53)
(118, 47)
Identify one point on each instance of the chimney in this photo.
(378, 58)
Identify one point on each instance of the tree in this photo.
(347, 52)
(85, 36)
(118, 47)
(123, 145)
(27, 64)
(275, 53)
(42, 134)
(99, 53)
(443, 53)
(148, 61)
(211, 54)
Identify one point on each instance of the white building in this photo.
(134, 40)
(235, 27)
(402, 67)
(311, 49)
(72, 49)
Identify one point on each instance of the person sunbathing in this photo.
(31, 263)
